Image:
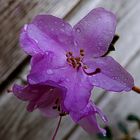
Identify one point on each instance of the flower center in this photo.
(57, 107)
(75, 62)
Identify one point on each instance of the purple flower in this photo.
(44, 97)
(71, 61)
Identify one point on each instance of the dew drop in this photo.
(52, 29)
(25, 27)
(63, 24)
(49, 71)
(78, 30)
(75, 43)
(67, 80)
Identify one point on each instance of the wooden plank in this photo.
(13, 15)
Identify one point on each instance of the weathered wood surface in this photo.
(17, 124)
(13, 15)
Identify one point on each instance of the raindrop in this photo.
(115, 78)
(25, 27)
(78, 30)
(52, 29)
(75, 43)
(63, 24)
(67, 80)
(49, 71)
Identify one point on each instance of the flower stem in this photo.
(136, 89)
(58, 125)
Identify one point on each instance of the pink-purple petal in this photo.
(95, 32)
(56, 28)
(87, 118)
(76, 83)
(78, 93)
(113, 76)
(43, 97)
(34, 41)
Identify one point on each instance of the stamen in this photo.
(53, 138)
(82, 52)
(136, 89)
(67, 55)
(59, 108)
(98, 70)
(63, 114)
(57, 100)
(70, 53)
(54, 107)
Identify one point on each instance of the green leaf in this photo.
(132, 117)
(122, 127)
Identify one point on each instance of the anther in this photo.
(54, 107)
(67, 55)
(70, 53)
(85, 67)
(58, 108)
(62, 114)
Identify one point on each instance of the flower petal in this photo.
(76, 83)
(43, 97)
(46, 33)
(87, 118)
(45, 67)
(78, 93)
(95, 32)
(56, 28)
(112, 77)
(34, 41)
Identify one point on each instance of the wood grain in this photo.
(13, 15)
(17, 124)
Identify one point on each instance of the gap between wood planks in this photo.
(61, 9)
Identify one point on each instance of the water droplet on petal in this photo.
(49, 71)
(78, 30)
(63, 24)
(67, 80)
(75, 43)
(52, 29)
(25, 27)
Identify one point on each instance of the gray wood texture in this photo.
(13, 15)
(15, 122)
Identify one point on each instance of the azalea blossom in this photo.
(67, 62)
